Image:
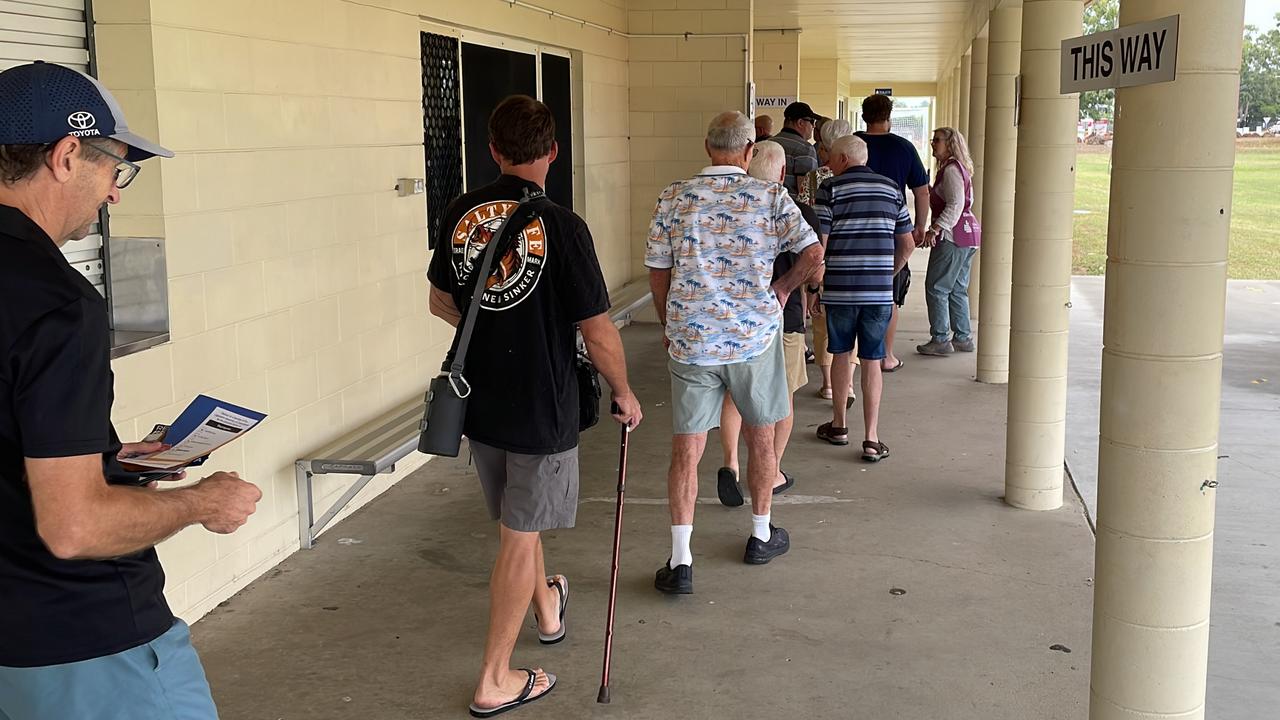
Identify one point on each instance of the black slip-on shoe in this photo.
(759, 553)
(727, 488)
(677, 581)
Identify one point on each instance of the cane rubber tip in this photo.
(603, 697)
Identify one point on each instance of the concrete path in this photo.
(1244, 647)
(384, 619)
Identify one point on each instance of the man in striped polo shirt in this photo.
(868, 235)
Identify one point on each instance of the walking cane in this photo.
(603, 697)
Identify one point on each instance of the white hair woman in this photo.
(769, 164)
(954, 235)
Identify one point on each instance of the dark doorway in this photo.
(488, 75)
(557, 93)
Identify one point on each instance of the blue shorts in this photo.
(159, 680)
(867, 324)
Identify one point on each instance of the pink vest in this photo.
(967, 231)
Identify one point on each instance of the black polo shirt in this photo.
(55, 401)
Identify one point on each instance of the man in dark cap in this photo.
(85, 629)
(796, 140)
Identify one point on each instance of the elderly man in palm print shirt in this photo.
(710, 255)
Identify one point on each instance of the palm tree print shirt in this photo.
(719, 233)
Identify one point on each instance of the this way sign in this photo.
(1132, 55)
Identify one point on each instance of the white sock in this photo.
(760, 527)
(680, 552)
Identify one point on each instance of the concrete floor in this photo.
(384, 619)
(1244, 639)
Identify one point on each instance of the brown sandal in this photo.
(833, 435)
(881, 451)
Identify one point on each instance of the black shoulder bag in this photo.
(440, 432)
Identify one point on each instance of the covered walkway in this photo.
(384, 619)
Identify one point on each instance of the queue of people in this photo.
(772, 234)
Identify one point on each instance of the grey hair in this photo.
(851, 147)
(768, 162)
(833, 131)
(730, 131)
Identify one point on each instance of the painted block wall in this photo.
(775, 65)
(295, 272)
(677, 86)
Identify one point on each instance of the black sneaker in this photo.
(759, 553)
(674, 582)
(728, 489)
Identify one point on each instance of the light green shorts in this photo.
(758, 387)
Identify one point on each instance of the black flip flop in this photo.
(881, 451)
(728, 489)
(561, 584)
(895, 368)
(522, 699)
(790, 483)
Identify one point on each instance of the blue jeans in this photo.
(862, 325)
(946, 291)
(159, 680)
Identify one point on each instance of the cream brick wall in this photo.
(820, 84)
(296, 273)
(775, 66)
(676, 86)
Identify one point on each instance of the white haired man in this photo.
(710, 255)
(868, 237)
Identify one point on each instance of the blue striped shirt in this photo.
(860, 212)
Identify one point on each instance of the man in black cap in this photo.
(796, 140)
(85, 632)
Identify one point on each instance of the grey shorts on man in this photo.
(528, 493)
(758, 387)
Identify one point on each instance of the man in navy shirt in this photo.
(894, 157)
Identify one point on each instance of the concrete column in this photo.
(955, 95)
(1042, 230)
(965, 79)
(977, 141)
(1171, 183)
(998, 169)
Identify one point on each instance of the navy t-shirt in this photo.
(894, 157)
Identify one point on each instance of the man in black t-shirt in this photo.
(894, 157)
(522, 414)
(85, 632)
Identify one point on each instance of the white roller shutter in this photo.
(55, 31)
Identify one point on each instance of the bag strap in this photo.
(502, 238)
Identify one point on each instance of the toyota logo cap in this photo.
(42, 103)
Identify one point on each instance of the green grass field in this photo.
(1255, 245)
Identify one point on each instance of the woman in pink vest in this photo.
(954, 236)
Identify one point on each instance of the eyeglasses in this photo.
(126, 171)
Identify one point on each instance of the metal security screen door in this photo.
(441, 126)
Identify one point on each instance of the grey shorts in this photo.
(758, 387)
(528, 493)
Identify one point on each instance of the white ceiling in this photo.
(901, 40)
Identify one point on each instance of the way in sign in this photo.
(1138, 53)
